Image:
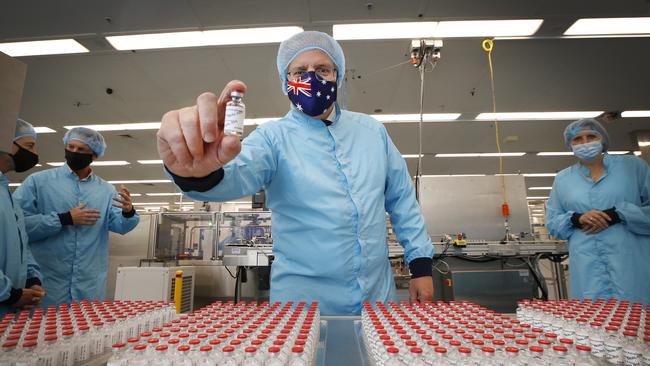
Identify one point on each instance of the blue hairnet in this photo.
(309, 40)
(90, 137)
(24, 128)
(582, 125)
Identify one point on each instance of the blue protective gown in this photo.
(616, 261)
(329, 188)
(16, 261)
(73, 258)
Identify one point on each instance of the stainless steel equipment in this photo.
(245, 238)
(472, 205)
(186, 235)
(154, 283)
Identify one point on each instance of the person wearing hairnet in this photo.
(601, 205)
(330, 177)
(20, 277)
(68, 213)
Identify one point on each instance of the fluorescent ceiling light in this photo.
(517, 116)
(555, 153)
(150, 203)
(43, 130)
(140, 181)
(411, 156)
(136, 194)
(203, 38)
(482, 155)
(637, 153)
(95, 163)
(644, 143)
(453, 175)
(609, 26)
(445, 29)
(618, 152)
(627, 114)
(488, 28)
(164, 194)
(540, 188)
(34, 48)
(14, 184)
(146, 162)
(384, 30)
(427, 117)
(121, 126)
(258, 121)
(538, 175)
(537, 197)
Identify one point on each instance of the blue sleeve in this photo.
(251, 170)
(33, 269)
(38, 225)
(400, 203)
(558, 220)
(637, 217)
(5, 286)
(117, 222)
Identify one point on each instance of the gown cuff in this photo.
(611, 212)
(33, 281)
(14, 296)
(421, 267)
(187, 184)
(575, 220)
(129, 214)
(66, 218)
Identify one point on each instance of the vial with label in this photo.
(235, 112)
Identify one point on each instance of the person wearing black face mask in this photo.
(69, 211)
(20, 284)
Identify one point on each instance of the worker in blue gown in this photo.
(601, 205)
(69, 211)
(20, 277)
(330, 177)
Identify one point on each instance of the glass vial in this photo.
(235, 112)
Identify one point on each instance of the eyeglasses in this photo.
(322, 72)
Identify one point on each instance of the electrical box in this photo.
(154, 283)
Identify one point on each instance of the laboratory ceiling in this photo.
(543, 73)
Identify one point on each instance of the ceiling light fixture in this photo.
(523, 116)
(426, 117)
(488, 28)
(163, 194)
(48, 47)
(150, 162)
(539, 175)
(219, 37)
(481, 155)
(632, 114)
(95, 163)
(140, 181)
(609, 27)
(444, 29)
(120, 126)
(555, 153)
(44, 130)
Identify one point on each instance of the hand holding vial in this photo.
(192, 141)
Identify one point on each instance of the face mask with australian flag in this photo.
(310, 94)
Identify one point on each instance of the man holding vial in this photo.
(330, 176)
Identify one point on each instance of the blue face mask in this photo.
(310, 94)
(588, 151)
